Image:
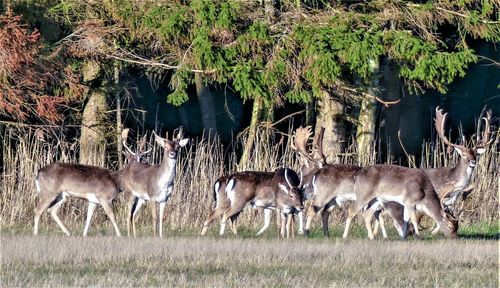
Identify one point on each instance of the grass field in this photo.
(185, 259)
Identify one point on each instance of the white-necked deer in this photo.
(56, 182)
(266, 190)
(406, 186)
(154, 183)
(450, 182)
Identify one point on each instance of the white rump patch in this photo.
(230, 191)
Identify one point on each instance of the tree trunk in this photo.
(205, 98)
(365, 135)
(252, 131)
(119, 147)
(93, 139)
(329, 116)
(390, 115)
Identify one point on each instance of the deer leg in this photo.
(267, 221)
(43, 204)
(133, 216)
(111, 215)
(311, 212)
(90, 212)
(132, 203)
(406, 218)
(154, 214)
(301, 223)
(380, 220)
(325, 214)
(228, 214)
(283, 224)
(162, 209)
(211, 217)
(54, 207)
(351, 213)
(414, 222)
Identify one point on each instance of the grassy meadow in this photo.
(194, 261)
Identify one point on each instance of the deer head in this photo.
(172, 146)
(299, 144)
(140, 147)
(467, 154)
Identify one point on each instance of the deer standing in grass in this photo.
(406, 186)
(328, 185)
(58, 181)
(151, 183)
(450, 182)
(266, 190)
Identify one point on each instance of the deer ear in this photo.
(284, 188)
(459, 151)
(183, 142)
(480, 150)
(160, 141)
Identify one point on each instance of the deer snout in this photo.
(172, 155)
(472, 163)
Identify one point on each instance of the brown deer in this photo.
(450, 182)
(221, 204)
(406, 186)
(58, 181)
(266, 190)
(329, 185)
(154, 183)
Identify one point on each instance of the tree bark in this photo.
(252, 131)
(119, 148)
(205, 98)
(329, 116)
(389, 125)
(365, 135)
(93, 139)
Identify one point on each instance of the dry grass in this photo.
(199, 166)
(235, 262)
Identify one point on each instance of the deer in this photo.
(58, 181)
(450, 182)
(264, 190)
(329, 185)
(409, 187)
(143, 183)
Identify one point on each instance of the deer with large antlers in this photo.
(151, 183)
(58, 181)
(265, 190)
(450, 182)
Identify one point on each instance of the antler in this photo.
(439, 122)
(300, 137)
(485, 135)
(124, 141)
(140, 147)
(319, 143)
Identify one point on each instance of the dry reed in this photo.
(200, 164)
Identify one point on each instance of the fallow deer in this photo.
(58, 181)
(154, 183)
(406, 186)
(329, 185)
(266, 190)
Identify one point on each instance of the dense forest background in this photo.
(240, 76)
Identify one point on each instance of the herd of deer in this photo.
(405, 194)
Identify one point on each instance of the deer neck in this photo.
(460, 174)
(167, 170)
